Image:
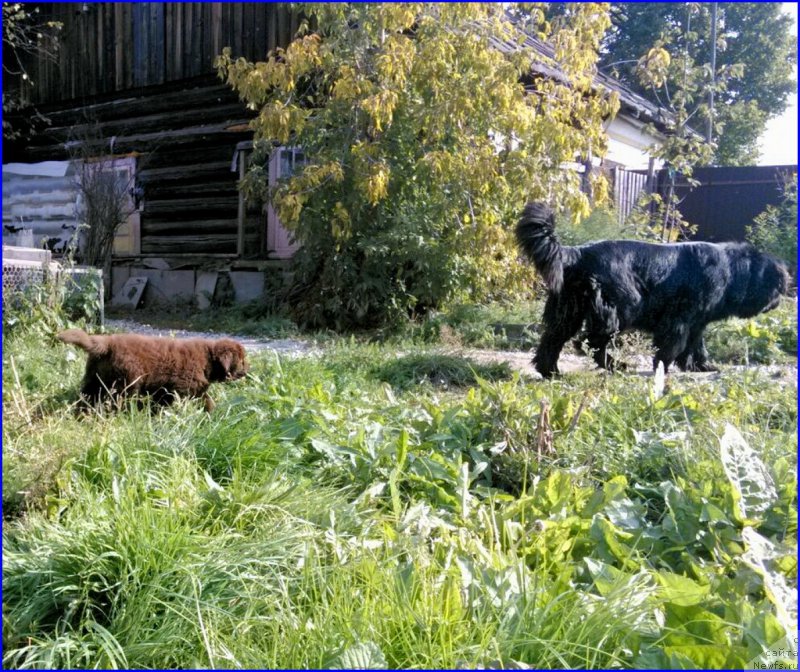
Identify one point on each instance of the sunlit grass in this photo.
(385, 506)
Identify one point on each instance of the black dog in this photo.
(671, 291)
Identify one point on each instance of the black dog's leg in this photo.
(670, 341)
(601, 325)
(695, 357)
(562, 318)
(598, 343)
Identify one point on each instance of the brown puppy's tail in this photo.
(94, 345)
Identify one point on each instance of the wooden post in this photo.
(241, 214)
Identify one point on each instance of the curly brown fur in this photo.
(672, 291)
(129, 364)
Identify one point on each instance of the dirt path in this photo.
(518, 360)
(290, 346)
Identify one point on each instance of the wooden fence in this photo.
(628, 185)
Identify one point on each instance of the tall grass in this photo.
(370, 509)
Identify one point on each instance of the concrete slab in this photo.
(248, 285)
(167, 285)
(119, 276)
(204, 288)
(131, 293)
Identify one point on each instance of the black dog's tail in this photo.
(536, 236)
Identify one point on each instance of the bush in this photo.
(775, 230)
(60, 300)
(601, 224)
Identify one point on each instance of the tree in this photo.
(424, 140)
(671, 75)
(753, 34)
(775, 230)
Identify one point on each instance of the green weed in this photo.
(348, 511)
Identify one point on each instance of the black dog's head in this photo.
(768, 279)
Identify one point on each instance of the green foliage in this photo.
(678, 75)
(58, 301)
(601, 224)
(765, 340)
(756, 36)
(423, 146)
(500, 325)
(775, 230)
(320, 518)
(445, 371)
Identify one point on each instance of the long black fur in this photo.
(671, 291)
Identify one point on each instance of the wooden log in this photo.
(190, 206)
(155, 122)
(193, 244)
(184, 156)
(186, 172)
(190, 227)
(150, 104)
(189, 190)
(149, 142)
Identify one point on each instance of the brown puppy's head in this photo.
(227, 360)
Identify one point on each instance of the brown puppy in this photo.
(124, 364)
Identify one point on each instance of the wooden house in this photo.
(135, 84)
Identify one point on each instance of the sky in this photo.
(779, 143)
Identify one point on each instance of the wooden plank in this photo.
(248, 31)
(197, 38)
(186, 38)
(260, 32)
(208, 37)
(180, 11)
(119, 77)
(158, 42)
(83, 85)
(139, 54)
(225, 25)
(272, 26)
(98, 72)
(216, 25)
(169, 40)
(184, 156)
(283, 26)
(110, 47)
(74, 62)
(238, 38)
(127, 44)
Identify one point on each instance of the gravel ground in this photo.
(521, 361)
(284, 346)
